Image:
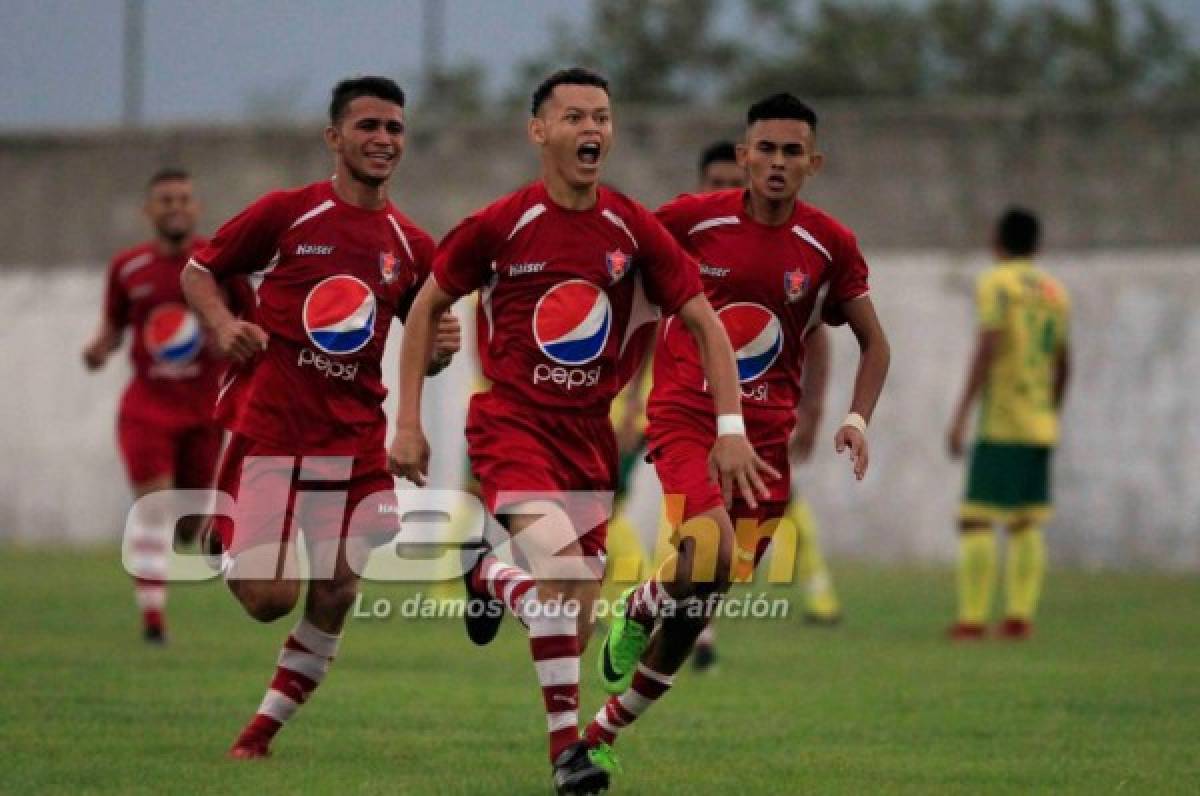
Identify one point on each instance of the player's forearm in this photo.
(205, 296)
(716, 355)
(981, 362)
(416, 354)
(874, 359)
(1062, 374)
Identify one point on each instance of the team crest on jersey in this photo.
(618, 264)
(388, 267)
(795, 283)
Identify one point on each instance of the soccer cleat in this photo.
(483, 612)
(1015, 629)
(575, 772)
(966, 631)
(622, 649)
(154, 634)
(704, 658)
(605, 757)
(249, 750)
(817, 619)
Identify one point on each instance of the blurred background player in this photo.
(165, 430)
(774, 268)
(719, 171)
(568, 269)
(1020, 367)
(334, 263)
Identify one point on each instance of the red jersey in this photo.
(329, 277)
(563, 292)
(770, 286)
(175, 373)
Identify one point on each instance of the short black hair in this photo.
(167, 174)
(573, 76)
(1018, 232)
(781, 106)
(352, 88)
(718, 152)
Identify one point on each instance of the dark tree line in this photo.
(687, 51)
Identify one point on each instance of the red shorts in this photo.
(518, 449)
(275, 492)
(680, 442)
(186, 454)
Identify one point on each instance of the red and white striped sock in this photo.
(621, 711)
(302, 665)
(148, 565)
(505, 582)
(553, 642)
(646, 601)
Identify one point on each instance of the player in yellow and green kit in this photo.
(1019, 370)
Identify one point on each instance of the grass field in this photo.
(1105, 699)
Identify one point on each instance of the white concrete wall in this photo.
(1126, 477)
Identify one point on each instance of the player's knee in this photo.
(270, 603)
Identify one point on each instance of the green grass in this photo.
(1105, 699)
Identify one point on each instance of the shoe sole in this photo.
(481, 629)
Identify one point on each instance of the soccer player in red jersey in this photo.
(333, 263)
(165, 431)
(568, 270)
(774, 268)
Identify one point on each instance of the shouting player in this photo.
(719, 170)
(334, 262)
(165, 430)
(774, 268)
(567, 269)
(1020, 368)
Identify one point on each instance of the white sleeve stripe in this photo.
(709, 223)
(403, 240)
(311, 214)
(134, 264)
(616, 221)
(527, 217)
(816, 244)
(194, 264)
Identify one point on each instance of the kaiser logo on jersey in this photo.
(172, 335)
(618, 264)
(756, 335)
(388, 267)
(795, 283)
(339, 315)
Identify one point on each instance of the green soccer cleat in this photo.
(605, 757)
(622, 649)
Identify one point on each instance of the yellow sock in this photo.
(976, 575)
(1024, 572)
(813, 571)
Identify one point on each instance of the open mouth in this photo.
(589, 153)
(778, 183)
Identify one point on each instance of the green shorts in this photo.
(1008, 482)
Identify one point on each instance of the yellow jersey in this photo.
(1031, 310)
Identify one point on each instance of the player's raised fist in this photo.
(240, 340)
(409, 455)
(851, 439)
(95, 354)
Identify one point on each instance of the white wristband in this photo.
(855, 420)
(730, 424)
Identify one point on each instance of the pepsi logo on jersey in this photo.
(172, 335)
(339, 319)
(757, 338)
(571, 323)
